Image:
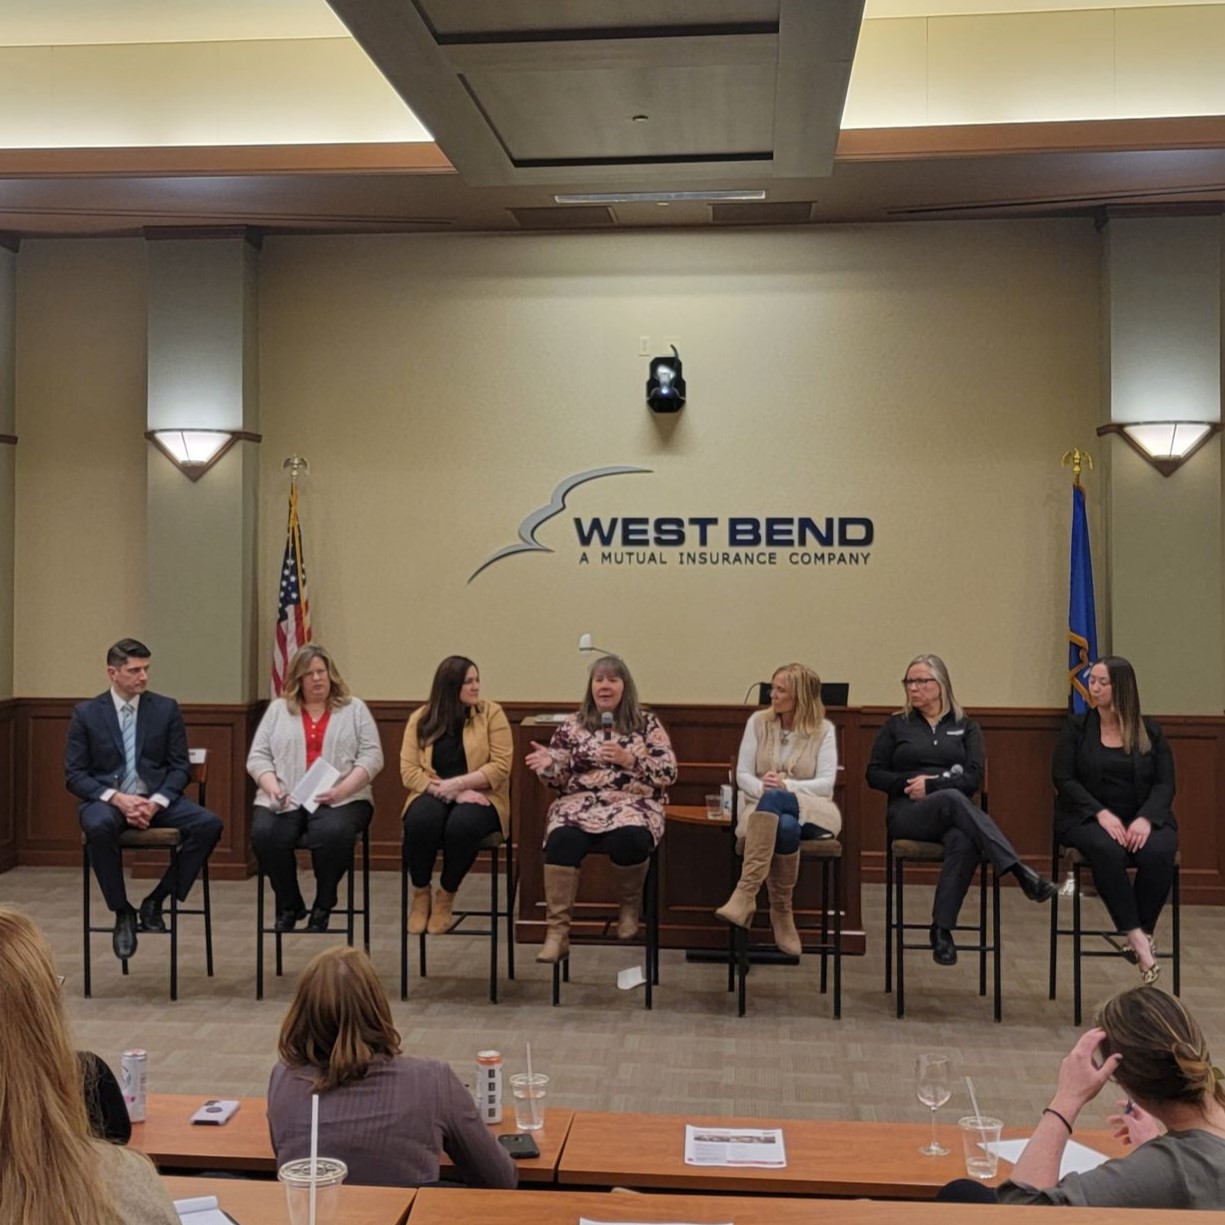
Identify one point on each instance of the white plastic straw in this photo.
(529, 1067)
(314, 1152)
(973, 1099)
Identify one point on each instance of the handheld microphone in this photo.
(954, 771)
(606, 722)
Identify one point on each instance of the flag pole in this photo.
(1082, 614)
(295, 464)
(1077, 458)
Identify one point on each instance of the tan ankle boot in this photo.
(440, 912)
(419, 911)
(780, 885)
(560, 890)
(760, 830)
(629, 895)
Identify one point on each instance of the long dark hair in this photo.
(444, 709)
(1126, 697)
(628, 717)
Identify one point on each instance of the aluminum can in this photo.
(489, 1085)
(133, 1080)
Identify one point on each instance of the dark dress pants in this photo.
(627, 845)
(331, 834)
(431, 825)
(968, 834)
(103, 823)
(1131, 904)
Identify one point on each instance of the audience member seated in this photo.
(316, 716)
(53, 1170)
(455, 762)
(1173, 1115)
(127, 762)
(929, 759)
(612, 763)
(1114, 773)
(384, 1114)
(785, 774)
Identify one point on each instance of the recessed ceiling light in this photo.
(657, 197)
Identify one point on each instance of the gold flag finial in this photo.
(1079, 460)
(296, 464)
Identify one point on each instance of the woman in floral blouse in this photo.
(612, 762)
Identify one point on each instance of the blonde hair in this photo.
(49, 1160)
(339, 1022)
(941, 673)
(303, 658)
(806, 689)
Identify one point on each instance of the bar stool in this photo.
(170, 841)
(493, 844)
(1074, 861)
(350, 911)
(828, 852)
(650, 907)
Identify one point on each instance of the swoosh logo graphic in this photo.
(557, 503)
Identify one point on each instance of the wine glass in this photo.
(931, 1073)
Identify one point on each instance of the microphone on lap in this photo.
(954, 771)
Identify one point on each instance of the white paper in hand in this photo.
(319, 777)
(1077, 1158)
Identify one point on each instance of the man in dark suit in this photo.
(127, 762)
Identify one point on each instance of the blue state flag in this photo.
(1082, 616)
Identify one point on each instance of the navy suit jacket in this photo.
(95, 762)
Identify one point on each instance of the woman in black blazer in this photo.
(1114, 774)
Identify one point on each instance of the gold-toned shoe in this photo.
(1151, 975)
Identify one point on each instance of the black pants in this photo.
(431, 825)
(567, 846)
(103, 823)
(1131, 905)
(330, 835)
(968, 835)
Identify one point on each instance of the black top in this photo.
(908, 745)
(108, 1114)
(449, 759)
(1089, 777)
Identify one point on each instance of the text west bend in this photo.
(632, 531)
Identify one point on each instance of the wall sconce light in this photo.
(585, 647)
(1167, 445)
(194, 452)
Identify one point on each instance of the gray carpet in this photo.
(692, 1054)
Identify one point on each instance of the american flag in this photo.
(293, 620)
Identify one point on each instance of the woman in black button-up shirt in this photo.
(1115, 776)
(929, 759)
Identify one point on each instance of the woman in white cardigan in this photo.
(785, 774)
(315, 717)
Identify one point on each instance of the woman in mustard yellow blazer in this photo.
(455, 762)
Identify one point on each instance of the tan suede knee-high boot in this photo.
(780, 885)
(629, 895)
(760, 831)
(560, 890)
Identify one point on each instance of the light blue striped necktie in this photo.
(128, 711)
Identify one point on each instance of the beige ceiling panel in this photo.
(152, 94)
(1171, 61)
(25, 97)
(1021, 67)
(308, 91)
(588, 115)
(889, 80)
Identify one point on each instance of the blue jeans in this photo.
(790, 832)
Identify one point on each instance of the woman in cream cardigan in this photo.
(785, 773)
(455, 762)
(315, 717)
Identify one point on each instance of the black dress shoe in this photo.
(944, 951)
(151, 916)
(287, 920)
(124, 939)
(1036, 888)
(318, 922)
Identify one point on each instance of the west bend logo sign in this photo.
(694, 540)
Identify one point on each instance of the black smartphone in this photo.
(519, 1145)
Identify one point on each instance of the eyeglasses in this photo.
(59, 981)
(910, 681)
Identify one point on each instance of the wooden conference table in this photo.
(254, 1202)
(881, 1160)
(170, 1139)
(434, 1206)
